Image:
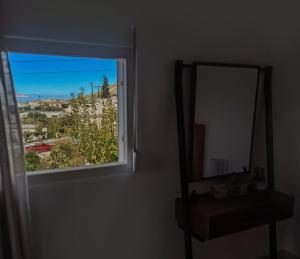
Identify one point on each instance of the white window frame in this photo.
(125, 57)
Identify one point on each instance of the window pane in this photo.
(68, 108)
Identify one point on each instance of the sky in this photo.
(58, 75)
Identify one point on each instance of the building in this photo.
(49, 114)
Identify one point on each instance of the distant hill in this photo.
(25, 98)
(22, 95)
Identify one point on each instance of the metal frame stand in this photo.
(184, 159)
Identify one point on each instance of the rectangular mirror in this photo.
(225, 100)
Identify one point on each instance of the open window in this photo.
(75, 104)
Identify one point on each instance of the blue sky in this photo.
(58, 75)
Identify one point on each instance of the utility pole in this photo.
(92, 92)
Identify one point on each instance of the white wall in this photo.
(132, 217)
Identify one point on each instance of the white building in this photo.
(50, 114)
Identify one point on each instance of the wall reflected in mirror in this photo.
(223, 119)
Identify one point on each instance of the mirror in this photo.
(225, 99)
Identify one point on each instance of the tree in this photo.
(94, 130)
(65, 154)
(91, 131)
(32, 161)
(54, 127)
(39, 129)
(36, 115)
(108, 130)
(105, 88)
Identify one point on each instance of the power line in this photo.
(64, 71)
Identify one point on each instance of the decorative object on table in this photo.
(259, 180)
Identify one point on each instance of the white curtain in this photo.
(13, 186)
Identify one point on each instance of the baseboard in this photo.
(282, 254)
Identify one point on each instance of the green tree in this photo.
(105, 88)
(36, 115)
(32, 161)
(65, 154)
(94, 130)
(39, 126)
(54, 127)
(108, 130)
(33, 117)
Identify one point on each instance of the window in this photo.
(73, 106)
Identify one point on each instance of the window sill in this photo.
(46, 177)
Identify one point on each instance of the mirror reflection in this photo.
(223, 123)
